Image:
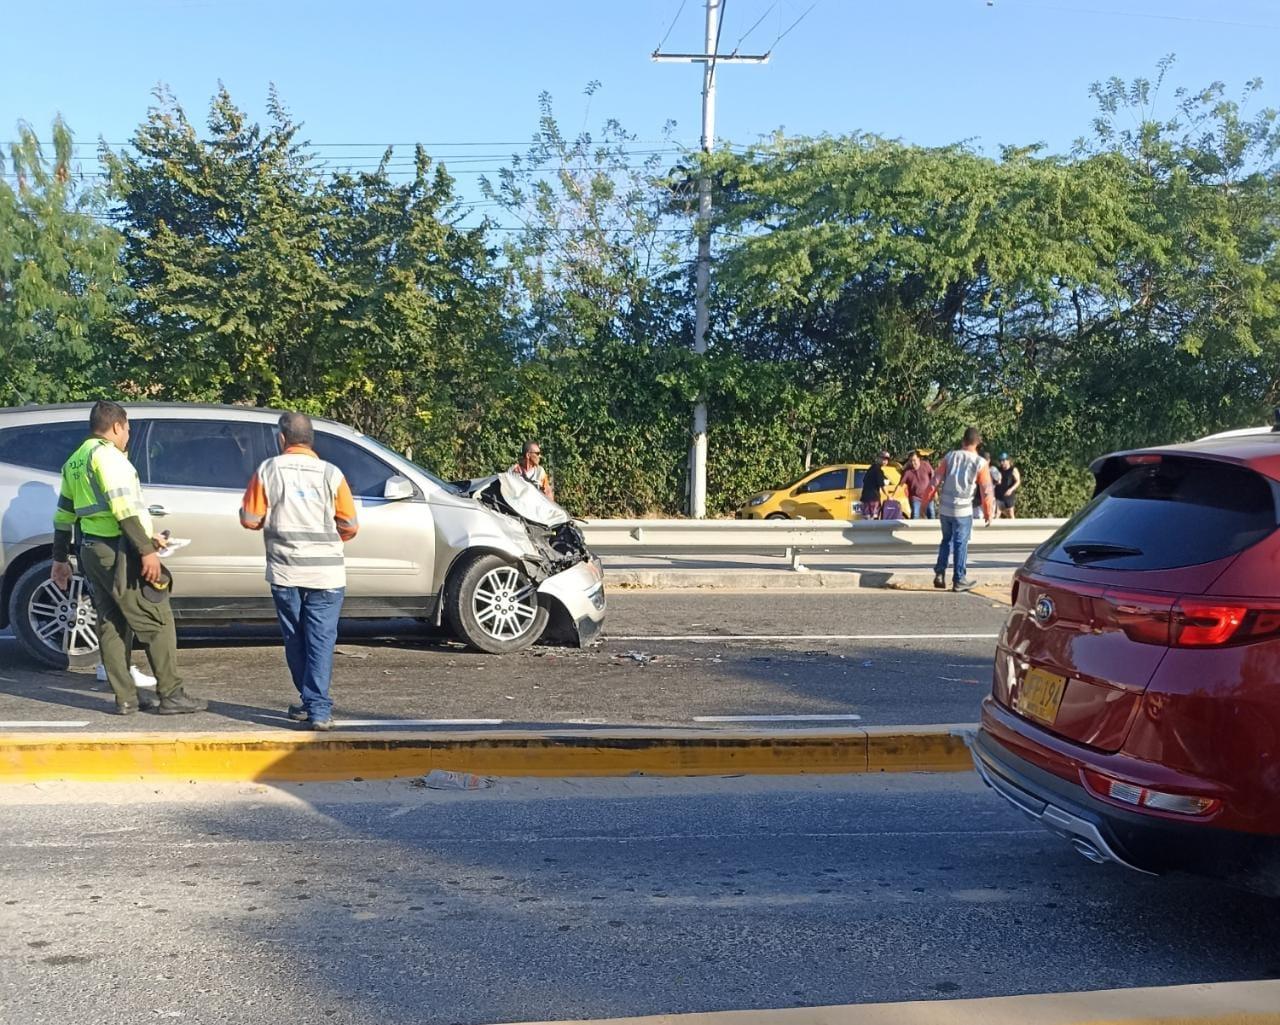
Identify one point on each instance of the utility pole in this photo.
(709, 58)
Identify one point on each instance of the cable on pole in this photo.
(743, 38)
(679, 12)
(783, 35)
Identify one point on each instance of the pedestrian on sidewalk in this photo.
(918, 480)
(995, 483)
(305, 510)
(119, 556)
(1006, 488)
(873, 485)
(963, 478)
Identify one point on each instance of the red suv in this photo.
(1135, 704)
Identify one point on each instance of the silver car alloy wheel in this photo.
(505, 603)
(64, 620)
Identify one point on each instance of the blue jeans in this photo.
(930, 510)
(955, 539)
(309, 622)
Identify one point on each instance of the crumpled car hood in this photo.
(527, 500)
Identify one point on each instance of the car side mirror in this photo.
(397, 489)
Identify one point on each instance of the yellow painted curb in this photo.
(26, 758)
(1223, 1003)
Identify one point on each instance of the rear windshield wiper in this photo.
(1091, 551)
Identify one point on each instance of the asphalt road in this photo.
(710, 659)
(382, 903)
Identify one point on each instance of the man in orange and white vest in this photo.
(962, 476)
(306, 512)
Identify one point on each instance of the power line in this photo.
(715, 50)
(679, 12)
(783, 35)
(743, 37)
(346, 145)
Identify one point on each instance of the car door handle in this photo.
(838, 497)
(157, 510)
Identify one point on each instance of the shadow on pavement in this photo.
(487, 906)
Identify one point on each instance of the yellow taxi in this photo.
(827, 493)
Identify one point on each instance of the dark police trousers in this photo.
(114, 571)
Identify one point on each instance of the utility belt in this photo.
(87, 538)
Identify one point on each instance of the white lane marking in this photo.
(1036, 833)
(393, 722)
(17, 724)
(776, 718)
(801, 637)
(417, 722)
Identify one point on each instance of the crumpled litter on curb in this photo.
(446, 779)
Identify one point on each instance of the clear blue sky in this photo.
(449, 72)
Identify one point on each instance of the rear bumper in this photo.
(1104, 833)
(1063, 814)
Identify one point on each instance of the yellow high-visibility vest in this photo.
(99, 489)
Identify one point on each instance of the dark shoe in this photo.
(297, 713)
(940, 581)
(147, 700)
(964, 584)
(323, 725)
(180, 704)
(126, 708)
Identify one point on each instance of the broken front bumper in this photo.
(579, 593)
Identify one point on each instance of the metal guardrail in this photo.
(791, 537)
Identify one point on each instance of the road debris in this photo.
(446, 779)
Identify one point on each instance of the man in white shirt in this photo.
(962, 477)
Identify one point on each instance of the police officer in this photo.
(118, 555)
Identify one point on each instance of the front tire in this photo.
(492, 606)
(54, 627)
(776, 516)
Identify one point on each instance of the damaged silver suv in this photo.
(492, 560)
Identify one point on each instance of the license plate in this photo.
(1041, 694)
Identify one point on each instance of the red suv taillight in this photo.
(1191, 622)
(1144, 797)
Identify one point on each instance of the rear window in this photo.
(1177, 512)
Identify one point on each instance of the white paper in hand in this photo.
(174, 544)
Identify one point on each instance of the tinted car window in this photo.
(42, 446)
(1178, 512)
(832, 480)
(204, 453)
(366, 473)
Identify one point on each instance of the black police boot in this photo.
(178, 703)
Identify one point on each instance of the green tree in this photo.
(598, 305)
(416, 354)
(59, 279)
(222, 238)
